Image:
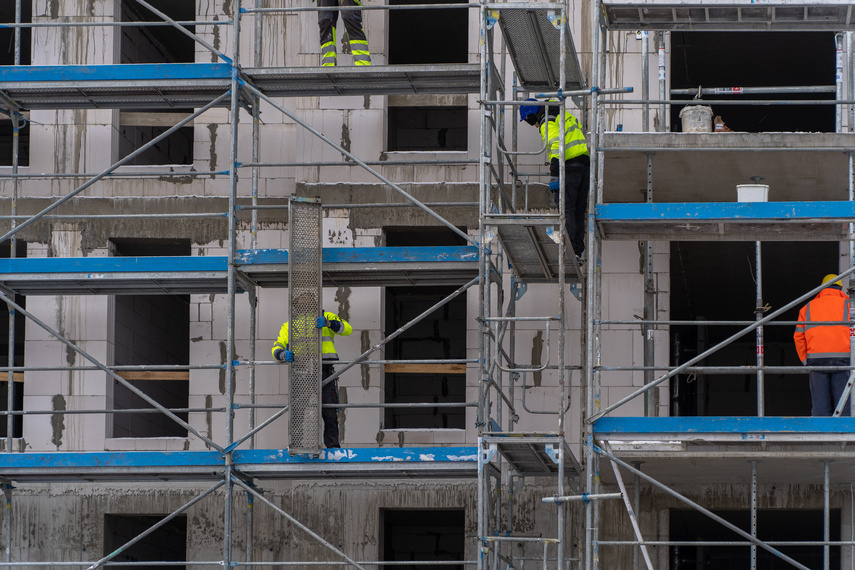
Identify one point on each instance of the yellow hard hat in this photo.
(830, 277)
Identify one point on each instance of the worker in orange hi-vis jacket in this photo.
(825, 345)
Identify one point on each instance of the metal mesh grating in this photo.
(304, 338)
(535, 48)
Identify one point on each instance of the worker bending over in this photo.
(577, 166)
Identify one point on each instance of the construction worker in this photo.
(825, 345)
(577, 165)
(353, 26)
(331, 325)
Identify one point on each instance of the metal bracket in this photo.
(522, 287)
(576, 291)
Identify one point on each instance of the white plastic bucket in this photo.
(696, 119)
(752, 192)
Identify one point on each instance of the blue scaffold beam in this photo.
(365, 255)
(726, 211)
(153, 72)
(99, 265)
(712, 425)
(361, 455)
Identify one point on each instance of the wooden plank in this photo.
(426, 368)
(155, 374)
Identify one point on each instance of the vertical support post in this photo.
(13, 251)
(7, 492)
(838, 82)
(753, 513)
(851, 196)
(645, 81)
(636, 504)
(650, 399)
(663, 108)
(850, 67)
(826, 515)
(758, 332)
(232, 282)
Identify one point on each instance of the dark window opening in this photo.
(7, 134)
(423, 535)
(442, 335)
(156, 44)
(7, 34)
(715, 282)
(772, 525)
(728, 59)
(20, 323)
(427, 128)
(166, 544)
(415, 37)
(177, 148)
(151, 330)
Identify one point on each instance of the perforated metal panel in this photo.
(304, 338)
(534, 44)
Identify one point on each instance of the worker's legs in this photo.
(326, 25)
(329, 395)
(820, 392)
(838, 385)
(356, 33)
(576, 186)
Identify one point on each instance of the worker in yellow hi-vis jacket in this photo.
(332, 325)
(352, 23)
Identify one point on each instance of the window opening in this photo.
(772, 525)
(423, 535)
(427, 128)
(20, 324)
(413, 34)
(156, 44)
(715, 282)
(166, 544)
(7, 34)
(728, 59)
(151, 330)
(442, 335)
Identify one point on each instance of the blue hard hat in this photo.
(526, 110)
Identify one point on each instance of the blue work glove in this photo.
(322, 322)
(289, 356)
(283, 355)
(553, 184)
(334, 325)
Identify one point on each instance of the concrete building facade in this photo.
(221, 184)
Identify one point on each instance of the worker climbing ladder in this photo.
(304, 339)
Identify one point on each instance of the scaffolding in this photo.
(518, 243)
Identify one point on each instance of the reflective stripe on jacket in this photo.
(574, 138)
(823, 341)
(327, 337)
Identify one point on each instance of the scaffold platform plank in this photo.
(352, 267)
(534, 455)
(352, 463)
(188, 85)
(730, 15)
(533, 37)
(533, 254)
(732, 221)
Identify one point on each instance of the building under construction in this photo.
(171, 173)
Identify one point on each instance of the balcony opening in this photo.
(166, 544)
(425, 535)
(156, 44)
(440, 336)
(18, 377)
(151, 330)
(729, 59)
(715, 282)
(427, 128)
(413, 34)
(772, 525)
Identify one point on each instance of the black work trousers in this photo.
(576, 184)
(352, 20)
(329, 395)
